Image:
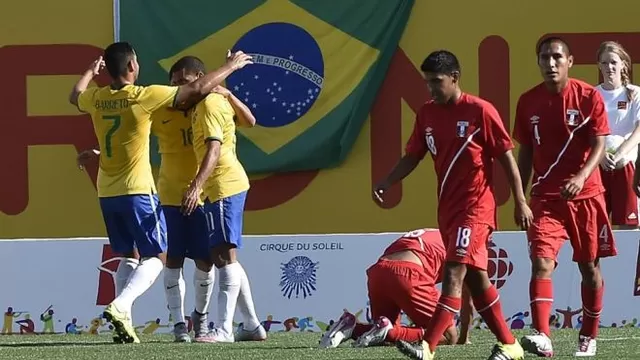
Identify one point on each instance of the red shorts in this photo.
(584, 222)
(622, 202)
(396, 286)
(467, 244)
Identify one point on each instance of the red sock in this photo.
(591, 309)
(489, 307)
(447, 307)
(408, 334)
(541, 295)
(359, 330)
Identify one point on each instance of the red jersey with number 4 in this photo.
(463, 138)
(427, 245)
(559, 128)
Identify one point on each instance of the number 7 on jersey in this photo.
(114, 127)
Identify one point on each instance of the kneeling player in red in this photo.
(561, 126)
(464, 135)
(403, 279)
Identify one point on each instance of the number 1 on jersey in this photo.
(114, 127)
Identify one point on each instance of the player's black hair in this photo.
(441, 62)
(553, 39)
(190, 64)
(117, 57)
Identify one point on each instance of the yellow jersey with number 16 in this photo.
(212, 120)
(178, 163)
(122, 123)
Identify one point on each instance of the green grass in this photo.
(613, 344)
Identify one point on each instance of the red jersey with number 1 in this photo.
(559, 128)
(463, 138)
(427, 245)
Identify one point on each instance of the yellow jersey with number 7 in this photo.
(178, 164)
(122, 123)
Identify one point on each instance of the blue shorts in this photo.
(224, 220)
(135, 220)
(186, 234)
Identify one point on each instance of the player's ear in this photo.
(130, 66)
(570, 60)
(200, 74)
(455, 77)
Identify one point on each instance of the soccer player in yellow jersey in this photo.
(223, 184)
(121, 116)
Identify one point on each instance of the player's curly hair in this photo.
(441, 62)
(117, 57)
(616, 48)
(191, 64)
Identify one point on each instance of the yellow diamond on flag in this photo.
(303, 68)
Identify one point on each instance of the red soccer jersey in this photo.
(463, 139)
(427, 245)
(559, 127)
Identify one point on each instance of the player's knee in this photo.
(590, 273)
(174, 262)
(223, 255)
(205, 266)
(453, 280)
(542, 268)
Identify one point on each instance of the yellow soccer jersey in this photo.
(122, 123)
(178, 166)
(212, 119)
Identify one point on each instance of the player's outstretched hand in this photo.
(190, 199)
(572, 187)
(523, 215)
(96, 66)
(238, 60)
(85, 157)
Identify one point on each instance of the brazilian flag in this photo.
(318, 65)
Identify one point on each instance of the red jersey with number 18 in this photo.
(560, 127)
(463, 138)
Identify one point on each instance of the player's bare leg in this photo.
(541, 295)
(234, 290)
(592, 294)
(466, 317)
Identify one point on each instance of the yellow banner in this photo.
(43, 194)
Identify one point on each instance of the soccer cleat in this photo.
(121, 321)
(537, 344)
(181, 333)
(586, 346)
(340, 331)
(199, 321)
(415, 351)
(507, 352)
(257, 334)
(220, 336)
(377, 335)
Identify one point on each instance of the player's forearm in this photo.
(403, 168)
(510, 167)
(245, 117)
(525, 164)
(190, 94)
(80, 86)
(595, 157)
(208, 165)
(628, 145)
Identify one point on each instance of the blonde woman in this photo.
(622, 101)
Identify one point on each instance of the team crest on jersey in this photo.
(573, 117)
(622, 105)
(461, 128)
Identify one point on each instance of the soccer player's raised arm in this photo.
(244, 116)
(415, 151)
(500, 145)
(190, 94)
(83, 83)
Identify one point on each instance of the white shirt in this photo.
(623, 114)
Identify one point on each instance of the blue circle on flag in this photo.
(286, 77)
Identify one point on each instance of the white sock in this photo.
(245, 303)
(125, 268)
(140, 281)
(230, 280)
(203, 284)
(174, 289)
